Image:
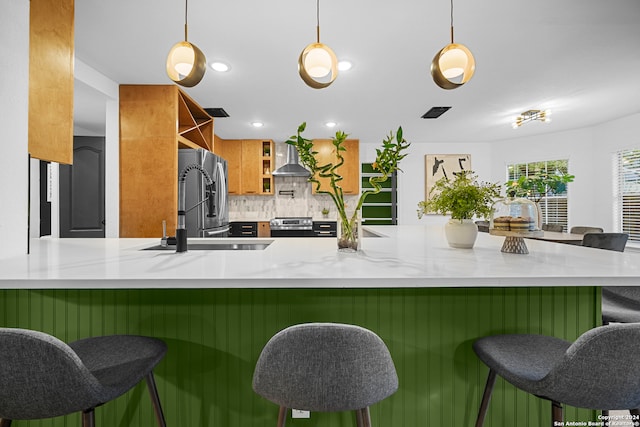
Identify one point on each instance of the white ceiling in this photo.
(579, 58)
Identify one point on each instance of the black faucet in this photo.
(181, 231)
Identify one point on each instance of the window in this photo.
(553, 207)
(627, 206)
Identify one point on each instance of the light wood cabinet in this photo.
(231, 151)
(350, 170)
(264, 229)
(250, 162)
(155, 120)
(51, 53)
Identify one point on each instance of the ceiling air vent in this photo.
(216, 112)
(435, 112)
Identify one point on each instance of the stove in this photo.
(291, 227)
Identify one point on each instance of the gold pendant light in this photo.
(186, 63)
(317, 64)
(453, 65)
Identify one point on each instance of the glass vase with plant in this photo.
(388, 157)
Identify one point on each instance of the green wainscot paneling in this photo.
(215, 337)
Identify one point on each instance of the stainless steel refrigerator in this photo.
(207, 207)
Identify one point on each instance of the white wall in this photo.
(14, 90)
(590, 154)
(589, 151)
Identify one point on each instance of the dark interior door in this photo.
(45, 203)
(82, 190)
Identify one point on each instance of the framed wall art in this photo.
(443, 165)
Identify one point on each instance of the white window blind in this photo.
(553, 207)
(627, 208)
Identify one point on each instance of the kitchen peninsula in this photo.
(216, 309)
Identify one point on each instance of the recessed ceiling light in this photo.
(257, 124)
(344, 65)
(330, 124)
(220, 67)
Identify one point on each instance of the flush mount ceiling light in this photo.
(330, 124)
(220, 67)
(530, 116)
(453, 65)
(186, 63)
(344, 65)
(317, 64)
(257, 124)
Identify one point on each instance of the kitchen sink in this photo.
(218, 245)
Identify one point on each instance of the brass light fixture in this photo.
(186, 63)
(317, 64)
(530, 116)
(453, 65)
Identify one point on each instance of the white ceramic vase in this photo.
(461, 234)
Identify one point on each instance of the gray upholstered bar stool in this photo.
(619, 303)
(599, 371)
(325, 367)
(42, 377)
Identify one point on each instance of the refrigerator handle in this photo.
(222, 188)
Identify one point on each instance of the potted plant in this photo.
(462, 198)
(325, 212)
(538, 186)
(388, 157)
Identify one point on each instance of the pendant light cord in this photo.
(318, 20)
(451, 21)
(186, 6)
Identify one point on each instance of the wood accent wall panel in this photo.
(148, 160)
(215, 337)
(51, 61)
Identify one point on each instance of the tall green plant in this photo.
(388, 157)
(538, 186)
(462, 198)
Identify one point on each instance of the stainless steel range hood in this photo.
(292, 167)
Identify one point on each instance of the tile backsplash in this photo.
(292, 197)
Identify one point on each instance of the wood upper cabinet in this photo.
(51, 58)
(350, 169)
(231, 151)
(155, 120)
(249, 162)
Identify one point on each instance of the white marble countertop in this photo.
(408, 256)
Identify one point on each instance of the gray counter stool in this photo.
(599, 371)
(325, 367)
(42, 377)
(620, 304)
